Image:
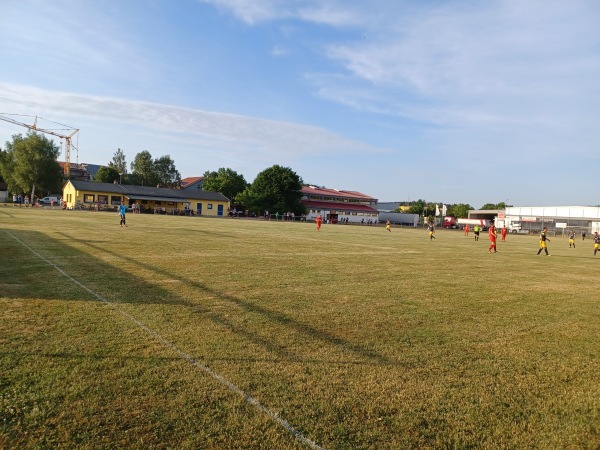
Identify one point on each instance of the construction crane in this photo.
(67, 134)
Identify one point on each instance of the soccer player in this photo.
(492, 233)
(571, 238)
(476, 230)
(388, 226)
(467, 229)
(319, 220)
(122, 212)
(504, 231)
(596, 242)
(543, 239)
(431, 229)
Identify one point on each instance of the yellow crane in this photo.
(67, 133)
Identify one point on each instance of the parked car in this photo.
(48, 200)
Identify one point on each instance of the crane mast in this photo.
(67, 137)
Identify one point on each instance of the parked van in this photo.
(48, 200)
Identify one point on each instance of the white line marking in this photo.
(232, 387)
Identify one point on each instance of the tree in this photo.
(276, 189)
(143, 170)
(489, 206)
(166, 173)
(417, 207)
(460, 210)
(118, 162)
(226, 181)
(29, 163)
(148, 172)
(108, 175)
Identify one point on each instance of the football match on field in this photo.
(299, 224)
(195, 332)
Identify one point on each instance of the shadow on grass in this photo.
(145, 290)
(309, 331)
(6, 213)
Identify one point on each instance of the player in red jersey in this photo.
(492, 233)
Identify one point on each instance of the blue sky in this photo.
(449, 101)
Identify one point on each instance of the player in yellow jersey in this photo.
(596, 242)
(431, 229)
(571, 238)
(543, 239)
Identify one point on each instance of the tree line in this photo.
(461, 210)
(28, 164)
(275, 189)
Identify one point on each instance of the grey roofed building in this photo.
(92, 169)
(148, 192)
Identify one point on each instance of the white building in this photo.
(335, 205)
(556, 218)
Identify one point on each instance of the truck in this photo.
(449, 222)
(512, 224)
(483, 223)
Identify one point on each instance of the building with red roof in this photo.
(192, 183)
(336, 205)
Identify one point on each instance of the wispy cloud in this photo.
(459, 63)
(206, 129)
(333, 13)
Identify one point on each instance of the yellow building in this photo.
(79, 194)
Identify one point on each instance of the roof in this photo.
(154, 199)
(147, 191)
(92, 168)
(187, 182)
(312, 190)
(338, 206)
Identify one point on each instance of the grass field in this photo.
(182, 332)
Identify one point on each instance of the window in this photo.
(88, 198)
(209, 206)
(115, 199)
(103, 199)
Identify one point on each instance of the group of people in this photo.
(493, 234)
(18, 200)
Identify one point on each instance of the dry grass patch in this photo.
(357, 337)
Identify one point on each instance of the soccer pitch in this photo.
(186, 332)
